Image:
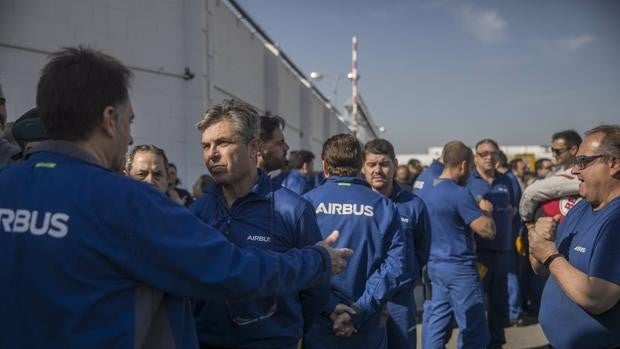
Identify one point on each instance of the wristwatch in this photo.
(550, 259)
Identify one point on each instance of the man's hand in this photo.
(546, 227)
(486, 206)
(336, 255)
(341, 309)
(343, 326)
(541, 247)
(341, 318)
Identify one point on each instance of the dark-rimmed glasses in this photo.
(484, 154)
(582, 161)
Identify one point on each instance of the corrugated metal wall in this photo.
(158, 39)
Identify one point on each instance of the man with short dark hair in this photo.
(379, 166)
(543, 167)
(273, 147)
(415, 168)
(115, 260)
(564, 146)
(518, 167)
(454, 218)
(403, 177)
(297, 178)
(252, 212)
(580, 306)
(487, 183)
(369, 224)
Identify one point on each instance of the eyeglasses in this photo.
(558, 152)
(484, 154)
(581, 162)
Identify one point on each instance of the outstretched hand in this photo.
(336, 255)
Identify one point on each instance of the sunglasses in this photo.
(484, 154)
(581, 162)
(558, 152)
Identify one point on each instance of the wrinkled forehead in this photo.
(374, 157)
(220, 129)
(148, 160)
(486, 147)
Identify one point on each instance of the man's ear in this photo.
(254, 147)
(109, 121)
(573, 150)
(463, 166)
(259, 146)
(614, 167)
(325, 173)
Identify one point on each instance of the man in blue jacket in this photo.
(454, 214)
(487, 183)
(379, 167)
(93, 259)
(250, 211)
(297, 179)
(273, 146)
(427, 176)
(368, 223)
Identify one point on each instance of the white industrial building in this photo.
(186, 55)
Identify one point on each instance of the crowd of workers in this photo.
(100, 247)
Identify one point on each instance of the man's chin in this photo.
(378, 185)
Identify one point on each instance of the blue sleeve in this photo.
(297, 186)
(466, 206)
(516, 194)
(605, 263)
(164, 245)
(196, 207)
(384, 282)
(422, 237)
(314, 299)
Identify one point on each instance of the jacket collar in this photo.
(64, 148)
(346, 179)
(261, 190)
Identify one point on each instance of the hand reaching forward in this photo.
(336, 255)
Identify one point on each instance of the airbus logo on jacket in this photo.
(370, 225)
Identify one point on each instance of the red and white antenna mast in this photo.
(354, 78)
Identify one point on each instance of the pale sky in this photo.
(433, 71)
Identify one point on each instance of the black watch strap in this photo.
(550, 259)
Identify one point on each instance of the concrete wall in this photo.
(158, 39)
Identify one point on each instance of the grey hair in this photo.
(243, 116)
(610, 145)
(148, 148)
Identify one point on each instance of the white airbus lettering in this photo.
(345, 209)
(37, 223)
(259, 238)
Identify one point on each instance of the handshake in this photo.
(342, 320)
